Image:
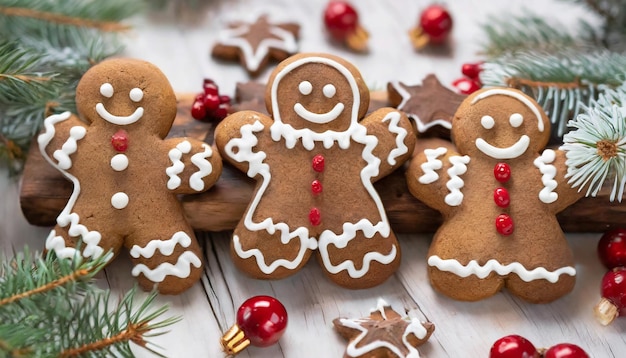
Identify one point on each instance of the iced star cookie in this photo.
(126, 176)
(255, 44)
(499, 193)
(315, 159)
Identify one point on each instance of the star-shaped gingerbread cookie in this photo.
(430, 105)
(256, 43)
(384, 333)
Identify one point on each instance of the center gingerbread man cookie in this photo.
(315, 163)
(499, 195)
(126, 176)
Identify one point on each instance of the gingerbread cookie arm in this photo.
(59, 138)
(556, 191)
(194, 165)
(396, 138)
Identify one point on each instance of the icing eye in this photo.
(487, 122)
(516, 120)
(329, 91)
(136, 94)
(305, 88)
(106, 90)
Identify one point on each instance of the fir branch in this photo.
(62, 19)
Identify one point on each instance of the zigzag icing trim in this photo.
(181, 269)
(547, 194)
(432, 164)
(165, 247)
(401, 133)
(204, 168)
(69, 147)
(459, 167)
(178, 166)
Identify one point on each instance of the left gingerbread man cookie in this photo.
(126, 176)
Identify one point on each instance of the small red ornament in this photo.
(119, 141)
(613, 301)
(466, 85)
(198, 110)
(513, 346)
(315, 217)
(211, 101)
(318, 163)
(261, 321)
(501, 197)
(342, 22)
(472, 70)
(316, 187)
(565, 350)
(434, 26)
(612, 248)
(502, 172)
(504, 224)
(210, 105)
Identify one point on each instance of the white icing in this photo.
(421, 126)
(136, 94)
(253, 57)
(487, 122)
(119, 162)
(106, 89)
(380, 307)
(119, 120)
(514, 151)
(547, 194)
(319, 118)
(516, 120)
(473, 268)
(459, 167)
(401, 133)
(69, 147)
(520, 97)
(91, 239)
(204, 168)
(431, 164)
(119, 200)
(305, 87)
(181, 269)
(177, 166)
(165, 247)
(329, 91)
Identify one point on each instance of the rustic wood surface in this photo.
(178, 41)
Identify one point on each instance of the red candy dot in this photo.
(315, 217)
(501, 197)
(318, 163)
(502, 172)
(504, 224)
(316, 187)
(119, 141)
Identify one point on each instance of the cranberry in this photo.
(221, 112)
(472, 70)
(198, 110)
(612, 248)
(513, 346)
(565, 350)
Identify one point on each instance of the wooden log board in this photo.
(44, 193)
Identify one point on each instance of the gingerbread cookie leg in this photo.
(468, 288)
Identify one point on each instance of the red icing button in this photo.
(504, 224)
(315, 217)
(119, 141)
(502, 172)
(316, 187)
(501, 197)
(318, 163)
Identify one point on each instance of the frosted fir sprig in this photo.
(596, 148)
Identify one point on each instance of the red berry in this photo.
(119, 141)
(221, 111)
(262, 319)
(502, 172)
(614, 288)
(211, 101)
(565, 350)
(436, 22)
(513, 346)
(504, 224)
(210, 88)
(198, 110)
(199, 97)
(472, 70)
(501, 197)
(341, 19)
(224, 99)
(466, 85)
(612, 248)
(316, 187)
(318, 163)
(315, 217)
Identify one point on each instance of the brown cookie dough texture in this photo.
(315, 159)
(126, 176)
(498, 230)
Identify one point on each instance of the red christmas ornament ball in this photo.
(341, 19)
(472, 70)
(513, 346)
(612, 248)
(466, 85)
(263, 319)
(565, 350)
(436, 22)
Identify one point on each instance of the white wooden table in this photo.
(179, 42)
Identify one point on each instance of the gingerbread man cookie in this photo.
(315, 163)
(499, 195)
(126, 176)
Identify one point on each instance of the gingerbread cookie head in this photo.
(317, 93)
(127, 92)
(501, 124)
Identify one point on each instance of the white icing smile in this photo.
(119, 120)
(319, 118)
(511, 152)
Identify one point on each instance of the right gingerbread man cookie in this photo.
(499, 193)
